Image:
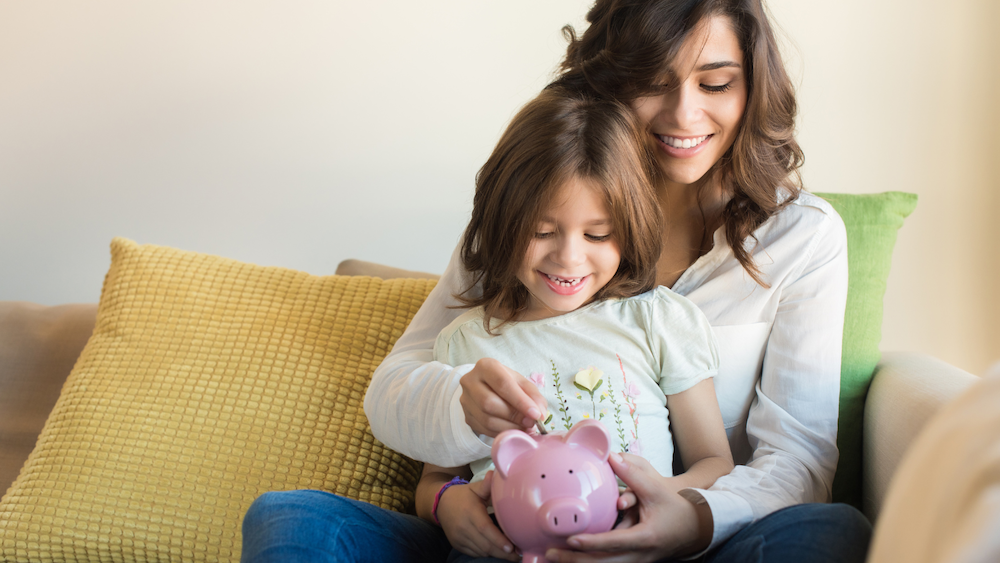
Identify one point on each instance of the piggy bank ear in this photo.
(508, 446)
(591, 435)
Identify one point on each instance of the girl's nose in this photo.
(569, 252)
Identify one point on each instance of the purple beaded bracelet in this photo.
(456, 480)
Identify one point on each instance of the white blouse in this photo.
(778, 384)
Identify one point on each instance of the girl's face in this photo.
(696, 114)
(573, 253)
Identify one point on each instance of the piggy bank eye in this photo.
(543, 475)
(570, 471)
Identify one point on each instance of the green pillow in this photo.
(872, 221)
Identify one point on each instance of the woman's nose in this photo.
(682, 106)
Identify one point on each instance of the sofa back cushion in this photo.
(872, 221)
(38, 347)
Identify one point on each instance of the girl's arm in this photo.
(414, 404)
(462, 512)
(696, 423)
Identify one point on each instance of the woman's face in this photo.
(697, 112)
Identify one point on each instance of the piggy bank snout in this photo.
(564, 516)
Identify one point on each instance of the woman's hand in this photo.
(658, 522)
(462, 513)
(496, 398)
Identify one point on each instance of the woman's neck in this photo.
(691, 213)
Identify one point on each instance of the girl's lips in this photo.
(564, 285)
(683, 147)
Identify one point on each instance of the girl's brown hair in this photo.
(558, 136)
(628, 48)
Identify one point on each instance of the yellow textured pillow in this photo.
(207, 382)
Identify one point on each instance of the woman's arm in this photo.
(419, 407)
(411, 398)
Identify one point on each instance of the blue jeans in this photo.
(314, 526)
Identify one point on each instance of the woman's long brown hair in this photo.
(629, 47)
(558, 136)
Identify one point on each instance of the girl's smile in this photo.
(564, 285)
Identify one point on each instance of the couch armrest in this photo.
(906, 391)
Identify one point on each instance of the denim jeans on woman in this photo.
(318, 527)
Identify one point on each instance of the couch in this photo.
(142, 427)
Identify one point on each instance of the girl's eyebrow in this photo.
(719, 64)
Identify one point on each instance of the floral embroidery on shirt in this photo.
(563, 403)
(630, 392)
(635, 447)
(538, 379)
(618, 408)
(589, 379)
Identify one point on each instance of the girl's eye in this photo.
(544, 235)
(598, 238)
(717, 89)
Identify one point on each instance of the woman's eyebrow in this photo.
(719, 64)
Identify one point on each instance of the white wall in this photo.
(300, 134)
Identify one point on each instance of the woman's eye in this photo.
(598, 238)
(717, 89)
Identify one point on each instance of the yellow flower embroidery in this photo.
(588, 377)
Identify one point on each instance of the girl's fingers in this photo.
(494, 401)
(490, 541)
(519, 400)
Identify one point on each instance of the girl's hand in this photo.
(462, 513)
(496, 398)
(658, 525)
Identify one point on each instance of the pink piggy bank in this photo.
(547, 488)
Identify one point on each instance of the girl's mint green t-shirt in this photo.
(614, 361)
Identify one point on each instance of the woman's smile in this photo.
(683, 147)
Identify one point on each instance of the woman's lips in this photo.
(683, 147)
(564, 285)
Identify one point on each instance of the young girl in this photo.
(562, 247)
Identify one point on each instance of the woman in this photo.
(764, 261)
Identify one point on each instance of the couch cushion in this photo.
(207, 382)
(38, 346)
(872, 221)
